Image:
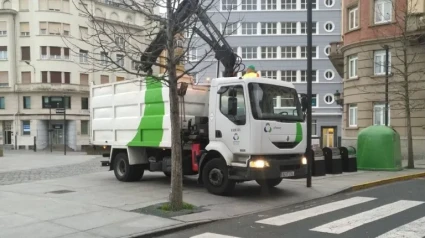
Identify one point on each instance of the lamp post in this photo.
(309, 150)
(338, 99)
(28, 63)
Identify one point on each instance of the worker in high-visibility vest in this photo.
(250, 72)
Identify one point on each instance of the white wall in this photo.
(71, 134)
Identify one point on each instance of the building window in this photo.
(230, 28)
(119, 79)
(85, 103)
(353, 18)
(103, 58)
(84, 127)
(314, 100)
(268, 28)
(304, 76)
(383, 11)
(26, 128)
(268, 4)
(289, 52)
(329, 26)
(120, 41)
(27, 102)
(55, 77)
(44, 77)
(304, 28)
(55, 5)
(289, 75)
(55, 52)
(3, 28)
(289, 4)
(379, 62)
(83, 56)
(249, 52)
(120, 60)
(379, 114)
(55, 102)
(352, 66)
(329, 74)
(249, 5)
(314, 127)
(23, 5)
(304, 52)
(228, 5)
(66, 53)
(304, 4)
(4, 78)
(289, 28)
(352, 115)
(66, 29)
(329, 3)
(192, 54)
(269, 52)
(26, 77)
(84, 79)
(271, 74)
(3, 52)
(104, 79)
(25, 28)
(249, 28)
(329, 98)
(2, 103)
(84, 32)
(25, 53)
(67, 77)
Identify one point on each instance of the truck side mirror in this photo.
(304, 103)
(232, 106)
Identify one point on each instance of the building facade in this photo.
(369, 27)
(272, 36)
(41, 71)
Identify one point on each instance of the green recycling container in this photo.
(378, 148)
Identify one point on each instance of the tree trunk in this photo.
(176, 194)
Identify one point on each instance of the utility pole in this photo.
(386, 47)
(309, 88)
(64, 125)
(50, 126)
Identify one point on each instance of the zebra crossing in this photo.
(412, 229)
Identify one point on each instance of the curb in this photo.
(383, 182)
(170, 229)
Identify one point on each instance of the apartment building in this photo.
(41, 71)
(369, 26)
(272, 35)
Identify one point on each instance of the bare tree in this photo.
(156, 41)
(404, 37)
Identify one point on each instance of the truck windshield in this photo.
(277, 103)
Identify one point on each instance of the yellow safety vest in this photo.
(250, 75)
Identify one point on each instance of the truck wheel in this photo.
(215, 177)
(124, 171)
(269, 182)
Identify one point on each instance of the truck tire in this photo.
(215, 177)
(124, 171)
(269, 182)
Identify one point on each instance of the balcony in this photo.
(52, 87)
(337, 57)
(416, 28)
(115, 3)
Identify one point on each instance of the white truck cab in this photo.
(235, 130)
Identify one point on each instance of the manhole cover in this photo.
(61, 191)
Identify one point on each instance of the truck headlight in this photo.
(259, 163)
(304, 160)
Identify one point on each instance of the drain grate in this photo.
(61, 191)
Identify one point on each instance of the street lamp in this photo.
(28, 63)
(338, 98)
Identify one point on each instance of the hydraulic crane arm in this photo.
(223, 52)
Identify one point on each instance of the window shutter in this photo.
(3, 48)
(54, 28)
(4, 77)
(66, 29)
(67, 77)
(44, 77)
(65, 5)
(55, 51)
(26, 77)
(26, 53)
(54, 5)
(104, 79)
(56, 77)
(3, 26)
(43, 50)
(42, 5)
(84, 79)
(25, 27)
(23, 4)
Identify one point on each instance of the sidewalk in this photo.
(97, 205)
(14, 160)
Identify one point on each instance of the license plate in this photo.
(287, 174)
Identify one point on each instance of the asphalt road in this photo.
(391, 211)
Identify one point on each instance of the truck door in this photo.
(232, 122)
